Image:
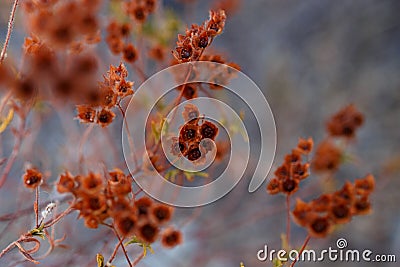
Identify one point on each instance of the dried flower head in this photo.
(340, 212)
(63, 23)
(66, 183)
(64, 86)
(25, 88)
(208, 130)
(91, 183)
(86, 114)
(120, 205)
(148, 232)
(207, 145)
(150, 5)
(160, 213)
(189, 90)
(119, 184)
(84, 65)
(189, 132)
(274, 186)
(116, 74)
(322, 203)
(346, 193)
(293, 158)
(321, 214)
(300, 171)
(365, 185)
(216, 23)
(190, 46)
(319, 226)
(289, 174)
(143, 205)
(178, 148)
(302, 213)
(362, 206)
(91, 221)
(126, 224)
(32, 178)
(289, 186)
(94, 204)
(190, 113)
(125, 29)
(140, 10)
(105, 117)
(88, 23)
(124, 88)
(171, 238)
(115, 44)
(305, 146)
(41, 57)
(345, 122)
(157, 53)
(327, 157)
(109, 97)
(92, 95)
(282, 172)
(194, 153)
(130, 53)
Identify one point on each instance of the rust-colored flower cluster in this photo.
(57, 62)
(45, 76)
(99, 198)
(345, 122)
(157, 53)
(191, 46)
(320, 215)
(171, 238)
(328, 157)
(194, 136)
(118, 41)
(64, 24)
(107, 95)
(329, 154)
(292, 171)
(139, 10)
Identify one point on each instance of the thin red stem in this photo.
(37, 207)
(123, 247)
(26, 211)
(138, 259)
(176, 103)
(8, 248)
(288, 220)
(59, 217)
(140, 72)
(129, 136)
(302, 249)
(115, 251)
(85, 137)
(15, 151)
(9, 31)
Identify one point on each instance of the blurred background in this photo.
(310, 58)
